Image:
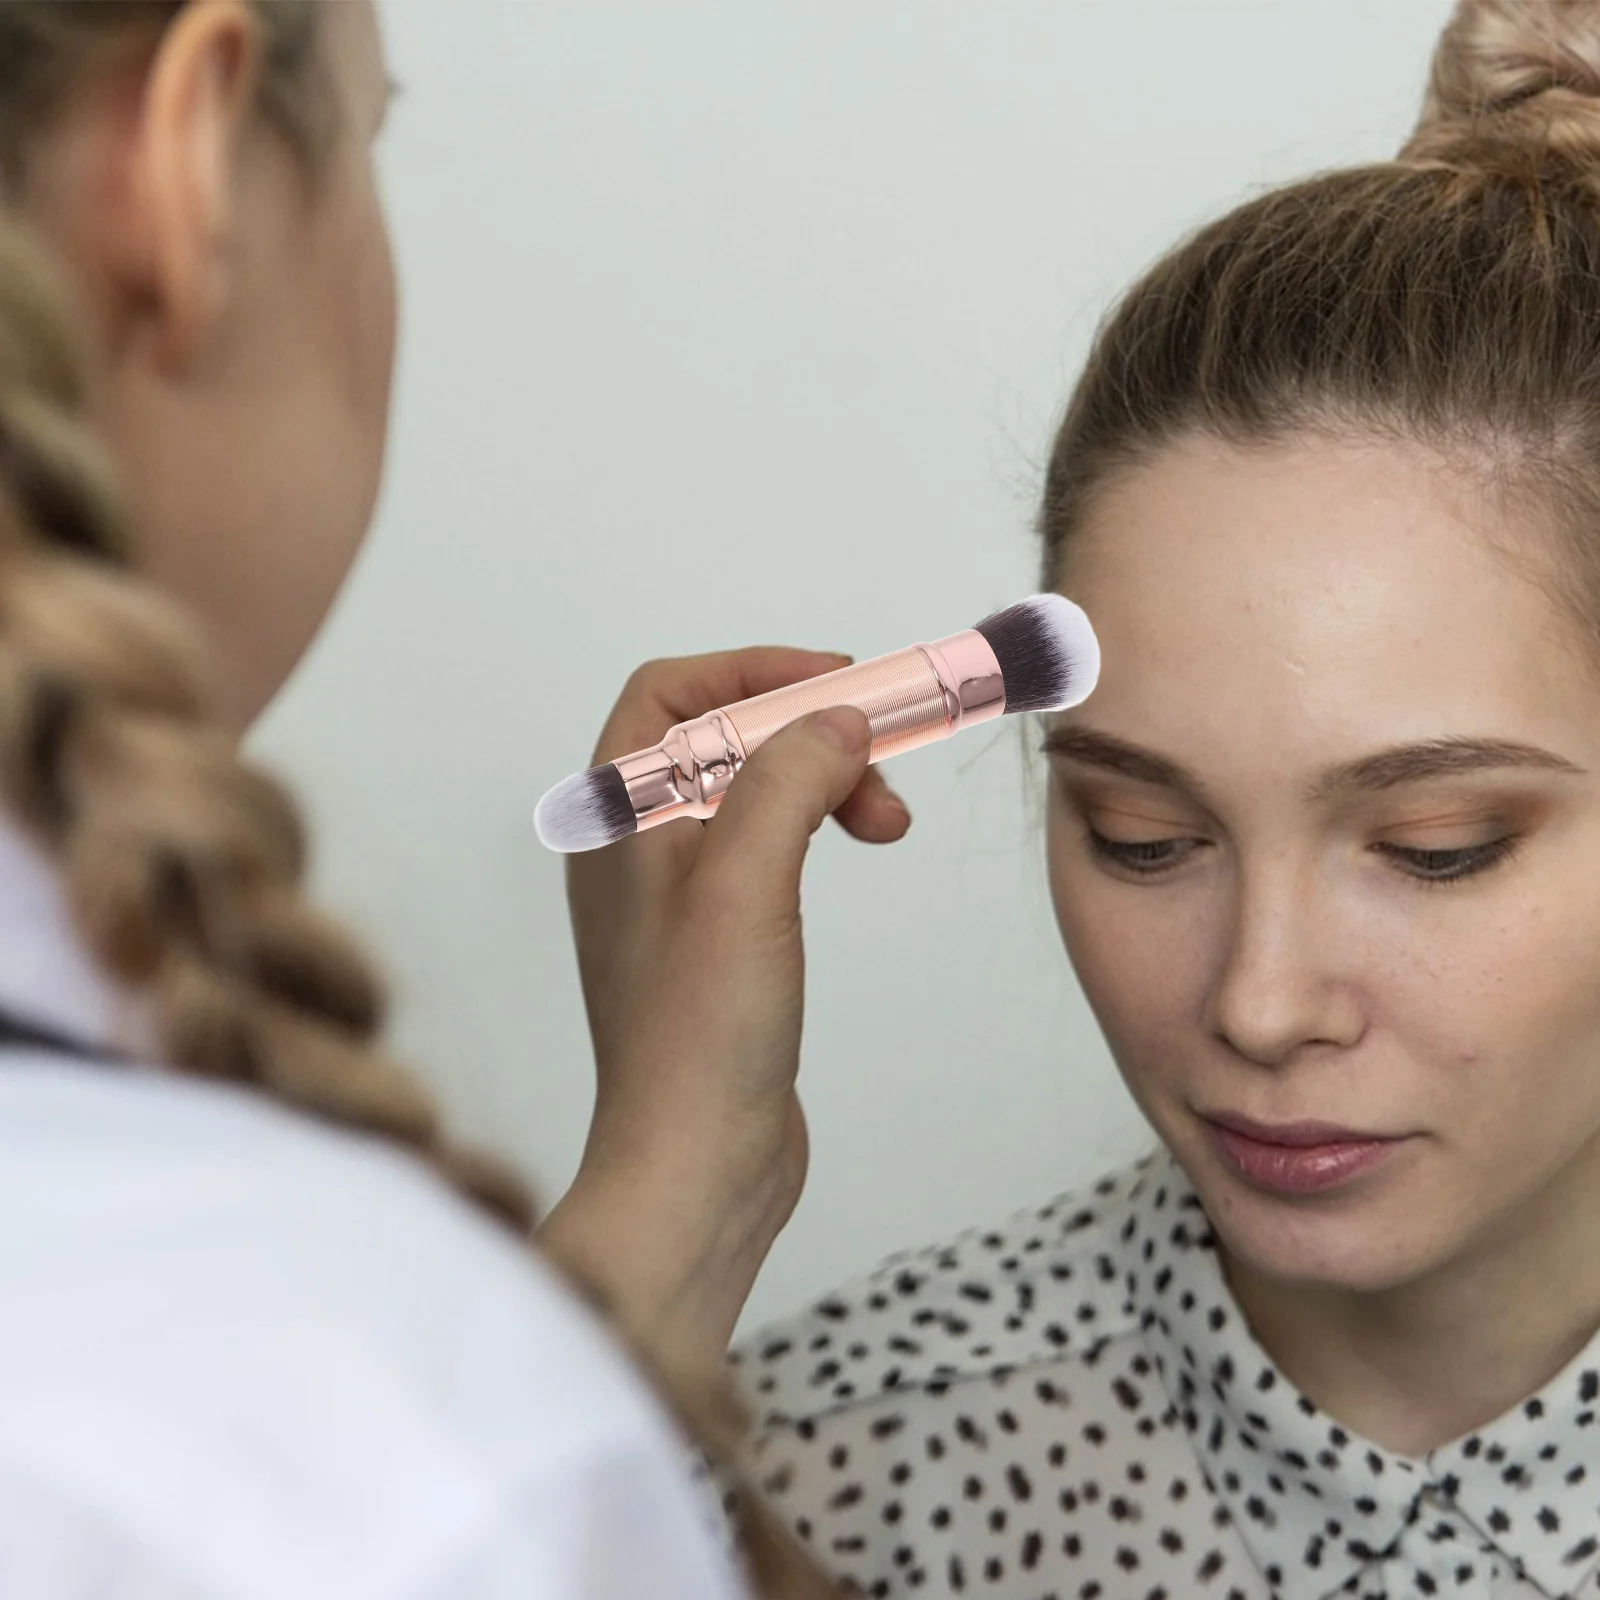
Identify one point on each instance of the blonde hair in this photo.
(1449, 298)
(182, 863)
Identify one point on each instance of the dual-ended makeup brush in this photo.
(1038, 655)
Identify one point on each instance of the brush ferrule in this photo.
(974, 688)
(686, 774)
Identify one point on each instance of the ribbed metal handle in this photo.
(900, 694)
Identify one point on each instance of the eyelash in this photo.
(1468, 863)
(1145, 858)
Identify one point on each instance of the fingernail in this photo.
(841, 727)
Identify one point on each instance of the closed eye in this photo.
(1151, 858)
(1450, 866)
(1146, 857)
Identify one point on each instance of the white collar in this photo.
(1306, 1493)
(46, 976)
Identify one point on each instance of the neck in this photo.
(1416, 1366)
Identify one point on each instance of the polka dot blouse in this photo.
(1070, 1407)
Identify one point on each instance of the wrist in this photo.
(671, 1255)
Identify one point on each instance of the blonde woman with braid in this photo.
(251, 1343)
(1324, 846)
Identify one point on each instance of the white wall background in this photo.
(737, 321)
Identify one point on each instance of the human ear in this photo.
(184, 169)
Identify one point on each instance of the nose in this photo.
(1282, 985)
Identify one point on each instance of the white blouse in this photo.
(1070, 1407)
(247, 1357)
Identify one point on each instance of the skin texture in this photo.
(1266, 616)
(246, 319)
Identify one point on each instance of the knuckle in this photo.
(788, 763)
(763, 782)
(712, 902)
(644, 677)
(790, 785)
(732, 913)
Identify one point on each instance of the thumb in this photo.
(783, 794)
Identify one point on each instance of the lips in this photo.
(1293, 1135)
(1296, 1158)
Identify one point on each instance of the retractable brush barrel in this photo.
(1038, 655)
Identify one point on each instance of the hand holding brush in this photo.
(691, 954)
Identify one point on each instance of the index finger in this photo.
(661, 693)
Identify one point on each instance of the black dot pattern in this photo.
(1071, 1407)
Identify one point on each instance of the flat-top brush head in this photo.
(585, 811)
(1048, 654)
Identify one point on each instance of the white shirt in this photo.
(1071, 1406)
(247, 1357)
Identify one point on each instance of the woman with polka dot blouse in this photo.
(1324, 846)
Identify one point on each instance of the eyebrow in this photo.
(1383, 769)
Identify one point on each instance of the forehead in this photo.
(1300, 604)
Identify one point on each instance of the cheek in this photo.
(372, 315)
(1508, 1009)
(355, 327)
(1142, 959)
(360, 305)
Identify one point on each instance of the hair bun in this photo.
(1513, 81)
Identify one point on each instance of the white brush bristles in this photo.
(585, 811)
(1073, 638)
(1047, 652)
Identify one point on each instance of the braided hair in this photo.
(183, 864)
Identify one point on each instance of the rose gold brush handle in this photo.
(910, 698)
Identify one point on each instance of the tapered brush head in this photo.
(585, 811)
(1048, 654)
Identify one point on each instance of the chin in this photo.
(1369, 1236)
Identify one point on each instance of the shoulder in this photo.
(945, 1415)
(215, 1297)
(995, 1412)
(243, 1212)
(1042, 1286)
